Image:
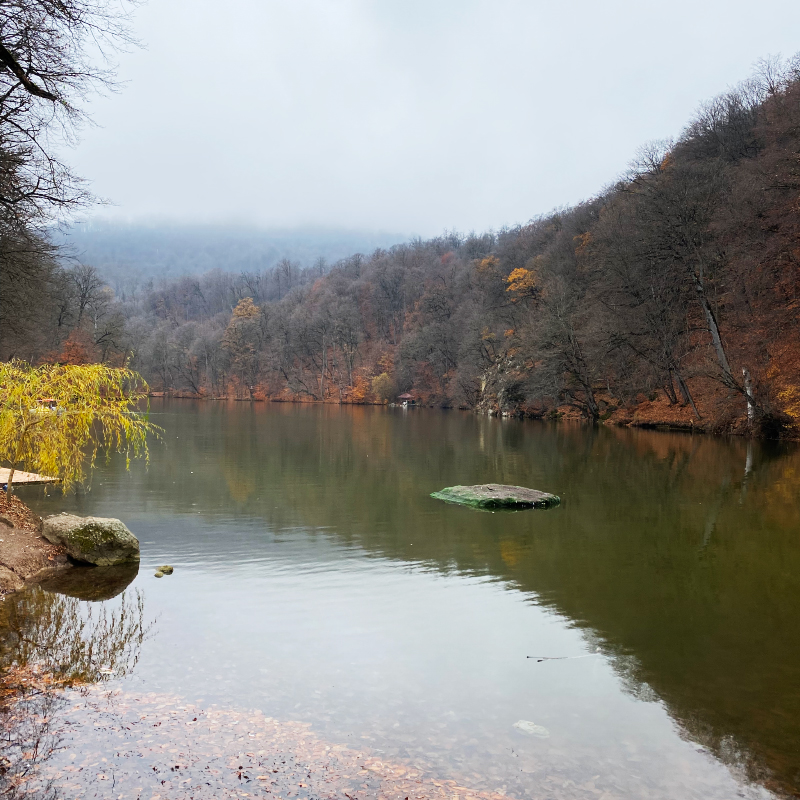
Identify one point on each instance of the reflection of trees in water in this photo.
(28, 729)
(49, 642)
(701, 613)
(747, 765)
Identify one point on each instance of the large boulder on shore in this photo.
(96, 540)
(494, 495)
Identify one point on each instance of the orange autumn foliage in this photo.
(78, 349)
(522, 282)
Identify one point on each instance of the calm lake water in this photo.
(317, 581)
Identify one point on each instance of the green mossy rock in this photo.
(159, 574)
(166, 569)
(492, 496)
(95, 540)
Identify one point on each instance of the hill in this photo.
(671, 297)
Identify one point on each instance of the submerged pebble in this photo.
(526, 726)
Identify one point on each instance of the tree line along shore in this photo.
(669, 298)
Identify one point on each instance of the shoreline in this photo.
(657, 414)
(26, 557)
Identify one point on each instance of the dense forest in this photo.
(669, 298)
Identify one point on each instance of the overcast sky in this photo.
(412, 116)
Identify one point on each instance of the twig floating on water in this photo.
(562, 658)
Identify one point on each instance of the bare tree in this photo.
(87, 286)
(53, 53)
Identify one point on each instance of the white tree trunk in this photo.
(748, 392)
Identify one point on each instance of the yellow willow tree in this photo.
(55, 418)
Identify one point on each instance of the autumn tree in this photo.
(522, 283)
(383, 387)
(241, 342)
(55, 418)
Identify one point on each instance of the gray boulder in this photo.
(96, 540)
(497, 496)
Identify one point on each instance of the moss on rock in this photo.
(491, 496)
(95, 540)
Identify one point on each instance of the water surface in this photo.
(317, 581)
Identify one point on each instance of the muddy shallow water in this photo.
(321, 599)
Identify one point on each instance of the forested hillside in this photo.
(670, 297)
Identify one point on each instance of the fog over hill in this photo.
(138, 251)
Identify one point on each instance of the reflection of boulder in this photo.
(98, 540)
(93, 583)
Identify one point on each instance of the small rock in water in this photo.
(159, 573)
(166, 569)
(526, 726)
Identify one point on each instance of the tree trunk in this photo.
(322, 371)
(594, 409)
(713, 328)
(669, 389)
(687, 395)
(748, 393)
(582, 375)
(10, 480)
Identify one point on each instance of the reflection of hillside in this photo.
(684, 572)
(700, 590)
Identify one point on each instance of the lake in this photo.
(319, 585)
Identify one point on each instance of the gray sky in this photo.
(406, 115)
